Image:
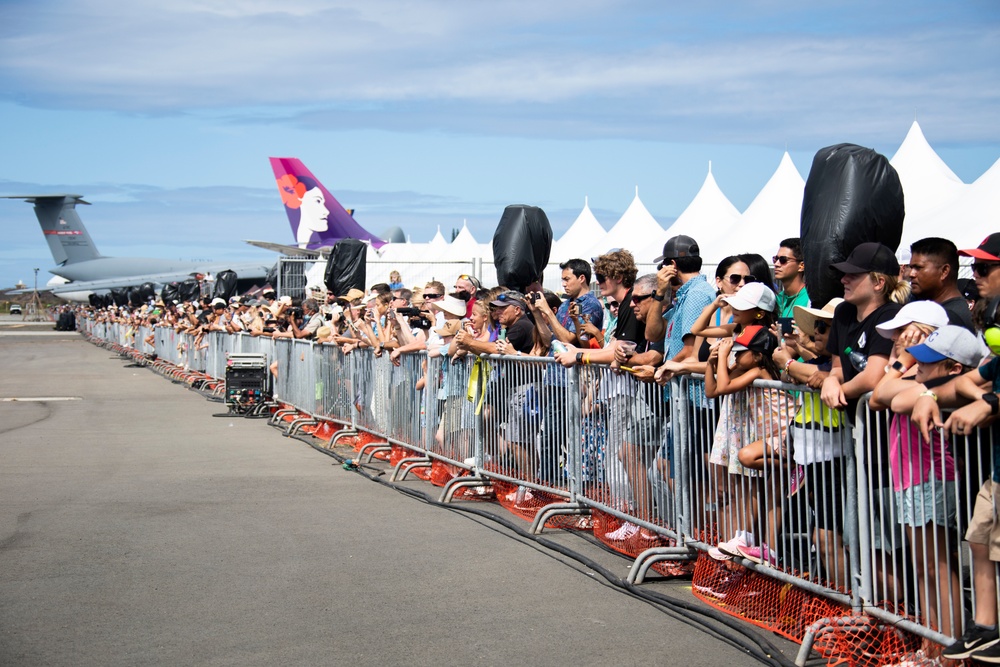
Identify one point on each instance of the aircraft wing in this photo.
(243, 270)
(290, 250)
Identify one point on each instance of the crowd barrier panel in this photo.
(824, 497)
(915, 502)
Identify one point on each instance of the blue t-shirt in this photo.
(692, 298)
(589, 305)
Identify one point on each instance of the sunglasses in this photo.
(432, 295)
(781, 260)
(984, 269)
(821, 327)
(614, 304)
(736, 279)
(639, 298)
(600, 277)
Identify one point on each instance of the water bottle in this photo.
(858, 360)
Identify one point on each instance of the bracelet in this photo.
(586, 359)
(788, 363)
(929, 393)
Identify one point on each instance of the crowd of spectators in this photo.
(912, 336)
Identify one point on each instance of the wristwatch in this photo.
(993, 401)
(658, 297)
(896, 366)
(579, 357)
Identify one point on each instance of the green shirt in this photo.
(787, 302)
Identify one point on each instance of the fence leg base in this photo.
(373, 447)
(647, 558)
(280, 414)
(456, 483)
(404, 467)
(556, 509)
(294, 427)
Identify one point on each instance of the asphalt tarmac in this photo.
(138, 529)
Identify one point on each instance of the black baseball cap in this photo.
(868, 257)
(989, 249)
(679, 246)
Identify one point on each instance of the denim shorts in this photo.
(931, 502)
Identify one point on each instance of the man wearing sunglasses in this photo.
(789, 270)
(984, 268)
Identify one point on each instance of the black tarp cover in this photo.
(225, 285)
(521, 246)
(852, 196)
(347, 266)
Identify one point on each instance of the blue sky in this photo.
(425, 114)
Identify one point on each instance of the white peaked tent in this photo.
(438, 242)
(637, 231)
(707, 218)
(579, 238)
(464, 246)
(773, 215)
(928, 183)
(966, 219)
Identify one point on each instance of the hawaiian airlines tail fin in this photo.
(68, 239)
(317, 218)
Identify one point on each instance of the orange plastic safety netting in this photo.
(631, 540)
(843, 638)
(526, 502)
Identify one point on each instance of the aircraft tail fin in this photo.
(317, 222)
(69, 241)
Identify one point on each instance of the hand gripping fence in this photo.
(843, 531)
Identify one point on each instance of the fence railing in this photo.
(869, 517)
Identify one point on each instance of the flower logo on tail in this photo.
(291, 190)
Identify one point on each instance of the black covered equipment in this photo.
(521, 246)
(225, 285)
(189, 290)
(170, 293)
(346, 267)
(852, 196)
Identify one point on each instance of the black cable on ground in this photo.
(760, 648)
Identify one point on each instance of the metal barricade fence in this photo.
(916, 501)
(625, 453)
(871, 518)
(768, 475)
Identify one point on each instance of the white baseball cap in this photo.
(926, 312)
(753, 295)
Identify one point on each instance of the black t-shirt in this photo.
(629, 327)
(862, 336)
(519, 335)
(959, 313)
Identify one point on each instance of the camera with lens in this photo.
(419, 322)
(409, 312)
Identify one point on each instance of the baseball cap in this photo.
(949, 342)
(678, 246)
(806, 318)
(869, 257)
(235, 299)
(754, 295)
(217, 302)
(989, 249)
(450, 328)
(755, 338)
(926, 312)
(510, 297)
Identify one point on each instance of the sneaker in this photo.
(732, 547)
(626, 531)
(989, 653)
(727, 550)
(761, 555)
(975, 640)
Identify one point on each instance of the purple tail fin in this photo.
(317, 218)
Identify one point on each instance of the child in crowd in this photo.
(761, 419)
(818, 436)
(922, 471)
